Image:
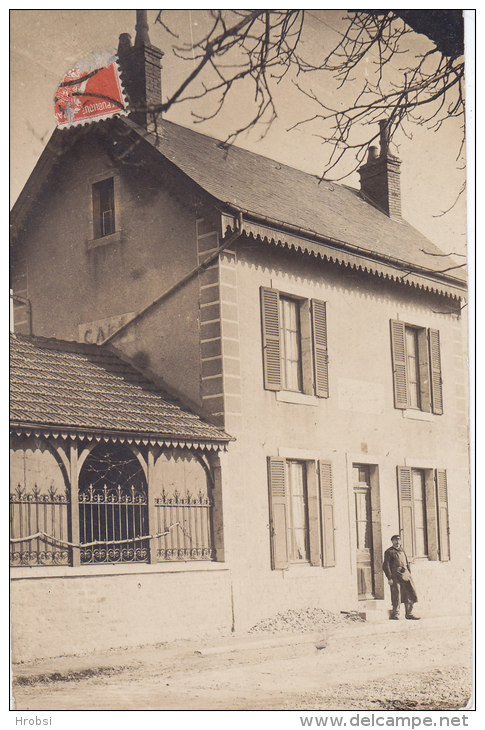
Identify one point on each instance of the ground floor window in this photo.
(419, 505)
(301, 512)
(423, 512)
(298, 536)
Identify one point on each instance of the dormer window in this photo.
(103, 208)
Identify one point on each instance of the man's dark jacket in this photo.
(396, 568)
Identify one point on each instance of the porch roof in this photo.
(87, 389)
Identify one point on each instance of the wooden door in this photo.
(363, 530)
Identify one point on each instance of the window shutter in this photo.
(442, 502)
(278, 518)
(313, 514)
(406, 516)
(435, 366)
(326, 504)
(270, 319)
(424, 374)
(320, 350)
(398, 350)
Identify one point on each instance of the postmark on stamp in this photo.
(90, 91)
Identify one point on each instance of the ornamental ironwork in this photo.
(113, 524)
(192, 514)
(45, 516)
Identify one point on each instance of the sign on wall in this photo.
(94, 333)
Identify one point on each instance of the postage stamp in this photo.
(90, 91)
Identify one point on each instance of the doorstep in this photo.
(374, 610)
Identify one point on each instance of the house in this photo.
(306, 319)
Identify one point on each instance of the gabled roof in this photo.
(274, 197)
(87, 388)
(270, 190)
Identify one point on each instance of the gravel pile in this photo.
(303, 620)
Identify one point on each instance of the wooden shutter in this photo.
(326, 505)
(435, 367)
(278, 512)
(270, 319)
(442, 503)
(406, 515)
(320, 350)
(424, 374)
(314, 538)
(398, 351)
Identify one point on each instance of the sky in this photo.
(46, 43)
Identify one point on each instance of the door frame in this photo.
(371, 461)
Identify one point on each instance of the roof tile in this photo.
(71, 385)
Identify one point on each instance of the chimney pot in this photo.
(141, 27)
(124, 43)
(372, 154)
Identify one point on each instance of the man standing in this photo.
(396, 568)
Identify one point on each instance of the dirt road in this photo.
(423, 665)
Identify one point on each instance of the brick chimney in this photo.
(380, 176)
(141, 71)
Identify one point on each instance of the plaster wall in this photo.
(356, 424)
(73, 280)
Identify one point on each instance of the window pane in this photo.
(103, 208)
(363, 519)
(298, 511)
(419, 500)
(412, 367)
(290, 339)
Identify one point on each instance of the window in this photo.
(294, 334)
(419, 508)
(298, 547)
(290, 344)
(416, 365)
(423, 512)
(103, 208)
(414, 400)
(301, 512)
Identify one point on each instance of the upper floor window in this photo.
(103, 208)
(416, 364)
(295, 354)
(290, 344)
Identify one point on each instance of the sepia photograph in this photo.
(240, 472)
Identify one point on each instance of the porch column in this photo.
(152, 513)
(217, 512)
(74, 488)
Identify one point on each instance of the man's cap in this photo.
(396, 537)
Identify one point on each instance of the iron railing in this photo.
(32, 513)
(113, 526)
(112, 521)
(190, 515)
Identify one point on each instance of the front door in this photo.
(363, 528)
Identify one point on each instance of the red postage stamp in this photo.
(90, 91)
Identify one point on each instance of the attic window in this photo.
(103, 208)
